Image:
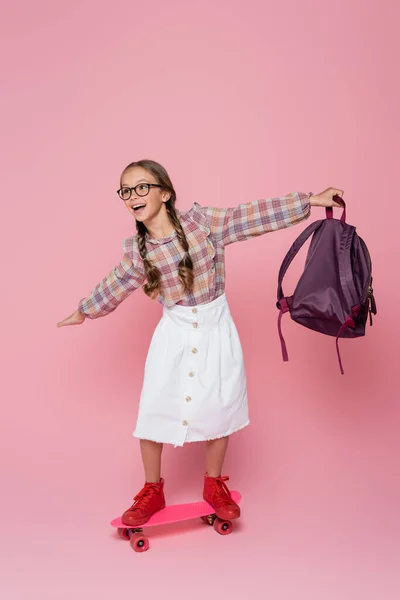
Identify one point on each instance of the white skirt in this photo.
(194, 386)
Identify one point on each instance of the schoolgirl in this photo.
(194, 387)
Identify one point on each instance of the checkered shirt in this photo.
(208, 230)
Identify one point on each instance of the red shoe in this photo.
(148, 501)
(217, 494)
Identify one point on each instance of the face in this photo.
(143, 208)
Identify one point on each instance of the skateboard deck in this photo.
(174, 514)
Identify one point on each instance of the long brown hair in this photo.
(185, 268)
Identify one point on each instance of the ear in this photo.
(165, 196)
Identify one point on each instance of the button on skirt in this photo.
(194, 386)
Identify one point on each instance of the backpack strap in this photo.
(293, 251)
(348, 323)
(282, 303)
(283, 309)
(345, 269)
(346, 284)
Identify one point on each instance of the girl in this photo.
(194, 386)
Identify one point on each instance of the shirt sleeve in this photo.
(122, 280)
(255, 218)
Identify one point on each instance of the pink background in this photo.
(238, 100)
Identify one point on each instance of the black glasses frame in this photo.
(131, 189)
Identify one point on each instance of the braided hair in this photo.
(152, 287)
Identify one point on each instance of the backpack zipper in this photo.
(371, 302)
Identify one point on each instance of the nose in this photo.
(135, 197)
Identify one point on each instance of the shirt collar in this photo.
(163, 240)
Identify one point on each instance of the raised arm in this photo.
(252, 219)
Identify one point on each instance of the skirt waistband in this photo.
(199, 316)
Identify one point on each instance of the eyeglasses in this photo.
(142, 189)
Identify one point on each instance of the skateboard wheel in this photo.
(139, 542)
(223, 527)
(123, 533)
(208, 519)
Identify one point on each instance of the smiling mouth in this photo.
(138, 207)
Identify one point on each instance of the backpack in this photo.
(334, 293)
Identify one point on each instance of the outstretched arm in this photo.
(122, 280)
(252, 219)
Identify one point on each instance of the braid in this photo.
(185, 269)
(153, 275)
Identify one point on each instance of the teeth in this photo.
(138, 206)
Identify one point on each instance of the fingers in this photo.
(68, 322)
(62, 323)
(75, 319)
(336, 192)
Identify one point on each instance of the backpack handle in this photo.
(329, 209)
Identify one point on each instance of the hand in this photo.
(77, 318)
(325, 198)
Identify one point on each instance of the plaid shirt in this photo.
(208, 230)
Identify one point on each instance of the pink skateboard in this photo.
(174, 514)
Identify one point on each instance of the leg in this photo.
(215, 456)
(151, 497)
(151, 457)
(215, 490)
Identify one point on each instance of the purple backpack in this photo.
(334, 293)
